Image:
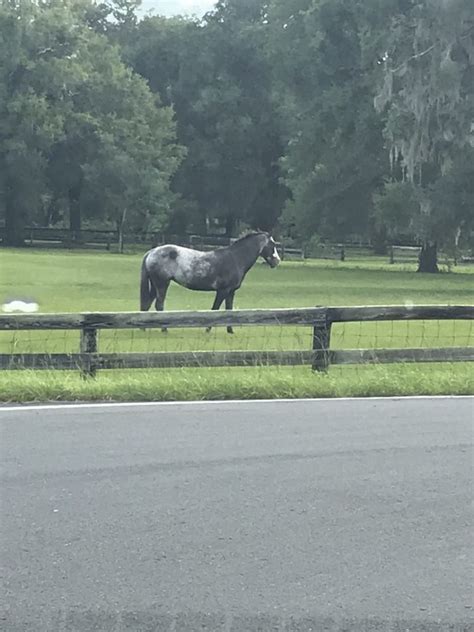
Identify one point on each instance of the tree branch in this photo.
(425, 52)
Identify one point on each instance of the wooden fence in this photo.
(89, 359)
(340, 251)
(404, 254)
(109, 239)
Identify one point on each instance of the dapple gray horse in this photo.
(221, 271)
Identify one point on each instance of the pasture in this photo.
(77, 281)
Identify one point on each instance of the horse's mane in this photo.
(249, 233)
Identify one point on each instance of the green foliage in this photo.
(217, 78)
(312, 247)
(396, 208)
(334, 156)
(452, 202)
(80, 133)
(427, 98)
(261, 114)
(35, 57)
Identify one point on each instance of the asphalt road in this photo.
(329, 515)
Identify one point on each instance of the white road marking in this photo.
(75, 406)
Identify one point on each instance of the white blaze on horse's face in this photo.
(275, 256)
(270, 253)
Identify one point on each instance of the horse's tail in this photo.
(147, 290)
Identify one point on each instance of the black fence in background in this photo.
(109, 240)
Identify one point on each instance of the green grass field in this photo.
(79, 281)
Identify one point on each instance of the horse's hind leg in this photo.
(229, 304)
(220, 296)
(161, 290)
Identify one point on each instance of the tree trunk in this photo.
(14, 224)
(428, 259)
(379, 242)
(74, 220)
(120, 227)
(229, 225)
(457, 236)
(74, 195)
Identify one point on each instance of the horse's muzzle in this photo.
(273, 261)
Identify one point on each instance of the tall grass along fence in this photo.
(318, 354)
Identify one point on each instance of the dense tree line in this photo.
(324, 118)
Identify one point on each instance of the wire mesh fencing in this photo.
(317, 338)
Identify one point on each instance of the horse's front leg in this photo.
(220, 296)
(160, 300)
(229, 304)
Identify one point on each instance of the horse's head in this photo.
(269, 252)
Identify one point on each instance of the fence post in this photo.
(392, 258)
(88, 346)
(321, 341)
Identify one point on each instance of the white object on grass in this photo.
(20, 306)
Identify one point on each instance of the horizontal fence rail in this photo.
(157, 320)
(89, 359)
(205, 318)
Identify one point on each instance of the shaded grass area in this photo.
(90, 281)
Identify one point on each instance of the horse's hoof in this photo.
(208, 329)
(164, 330)
(230, 330)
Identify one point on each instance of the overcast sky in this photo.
(175, 7)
